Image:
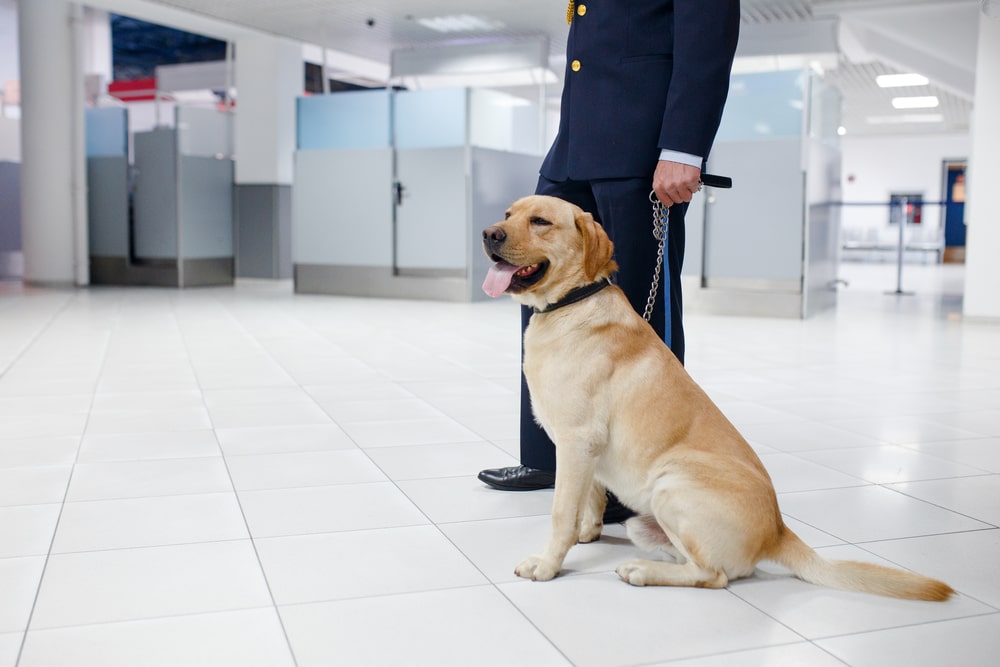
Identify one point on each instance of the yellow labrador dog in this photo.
(625, 415)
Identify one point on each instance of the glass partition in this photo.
(504, 122)
(107, 132)
(764, 106)
(204, 132)
(356, 119)
(431, 118)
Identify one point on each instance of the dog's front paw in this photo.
(536, 569)
(633, 572)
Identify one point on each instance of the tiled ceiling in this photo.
(374, 28)
(865, 103)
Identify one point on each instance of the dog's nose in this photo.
(493, 235)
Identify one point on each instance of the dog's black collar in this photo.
(574, 295)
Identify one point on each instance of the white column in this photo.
(51, 102)
(982, 270)
(96, 47)
(269, 77)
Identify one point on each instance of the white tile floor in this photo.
(248, 477)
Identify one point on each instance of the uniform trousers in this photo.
(623, 208)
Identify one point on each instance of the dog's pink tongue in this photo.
(498, 278)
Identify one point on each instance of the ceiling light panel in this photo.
(900, 80)
(922, 102)
(460, 23)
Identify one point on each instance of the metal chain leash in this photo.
(661, 218)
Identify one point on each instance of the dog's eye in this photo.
(540, 221)
(506, 216)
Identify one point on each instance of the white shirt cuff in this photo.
(683, 158)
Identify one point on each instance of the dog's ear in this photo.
(597, 247)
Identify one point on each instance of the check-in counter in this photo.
(393, 188)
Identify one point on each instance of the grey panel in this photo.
(342, 207)
(155, 198)
(283, 251)
(741, 302)
(118, 271)
(204, 132)
(374, 281)
(107, 206)
(821, 259)
(11, 264)
(433, 218)
(694, 232)
(756, 230)
(10, 206)
(108, 270)
(206, 207)
(203, 272)
(263, 231)
(823, 226)
(498, 179)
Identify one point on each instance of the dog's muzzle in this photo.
(493, 239)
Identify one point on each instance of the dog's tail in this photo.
(848, 575)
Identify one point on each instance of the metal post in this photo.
(901, 250)
(227, 97)
(397, 187)
(326, 77)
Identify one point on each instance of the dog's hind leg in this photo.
(685, 572)
(592, 516)
(641, 572)
(646, 533)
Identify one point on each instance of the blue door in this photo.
(954, 207)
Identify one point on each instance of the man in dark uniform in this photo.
(646, 82)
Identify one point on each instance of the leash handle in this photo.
(716, 181)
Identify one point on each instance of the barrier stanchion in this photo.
(901, 249)
(904, 205)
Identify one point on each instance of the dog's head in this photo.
(544, 248)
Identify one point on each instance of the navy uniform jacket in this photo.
(641, 75)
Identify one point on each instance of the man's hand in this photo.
(675, 183)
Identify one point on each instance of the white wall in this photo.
(9, 60)
(982, 270)
(882, 165)
(8, 42)
(10, 140)
(269, 78)
(51, 146)
(96, 47)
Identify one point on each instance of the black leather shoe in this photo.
(615, 512)
(518, 478)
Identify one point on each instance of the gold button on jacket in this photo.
(581, 10)
(575, 65)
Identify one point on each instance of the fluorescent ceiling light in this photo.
(899, 80)
(521, 77)
(926, 102)
(905, 118)
(460, 23)
(818, 62)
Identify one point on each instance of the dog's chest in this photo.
(565, 375)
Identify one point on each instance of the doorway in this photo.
(954, 211)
